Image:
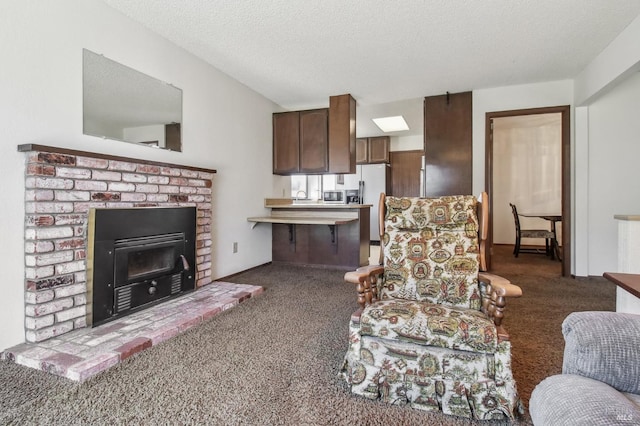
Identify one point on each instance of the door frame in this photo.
(565, 111)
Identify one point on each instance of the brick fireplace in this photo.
(61, 186)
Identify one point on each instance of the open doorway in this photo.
(539, 166)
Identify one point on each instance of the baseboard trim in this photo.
(228, 277)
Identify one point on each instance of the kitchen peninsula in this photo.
(317, 234)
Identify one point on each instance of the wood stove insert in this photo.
(138, 258)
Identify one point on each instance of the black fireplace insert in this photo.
(138, 258)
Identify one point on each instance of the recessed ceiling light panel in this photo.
(391, 124)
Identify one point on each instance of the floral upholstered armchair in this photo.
(428, 333)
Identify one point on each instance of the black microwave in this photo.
(336, 197)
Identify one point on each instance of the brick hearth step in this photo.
(83, 353)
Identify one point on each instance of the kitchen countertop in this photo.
(310, 213)
(292, 203)
(303, 220)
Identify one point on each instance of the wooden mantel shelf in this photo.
(629, 282)
(52, 149)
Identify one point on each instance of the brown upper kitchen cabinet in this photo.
(286, 142)
(342, 134)
(300, 142)
(379, 149)
(314, 143)
(362, 151)
(372, 150)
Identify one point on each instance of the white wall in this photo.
(554, 93)
(619, 62)
(406, 143)
(614, 150)
(550, 94)
(226, 127)
(593, 160)
(612, 66)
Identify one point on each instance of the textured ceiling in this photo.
(298, 53)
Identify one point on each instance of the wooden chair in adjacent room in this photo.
(549, 237)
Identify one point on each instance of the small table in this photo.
(553, 218)
(628, 291)
(629, 282)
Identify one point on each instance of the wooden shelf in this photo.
(629, 282)
(44, 148)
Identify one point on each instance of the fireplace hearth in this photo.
(138, 258)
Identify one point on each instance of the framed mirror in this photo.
(123, 104)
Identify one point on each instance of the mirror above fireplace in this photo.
(123, 104)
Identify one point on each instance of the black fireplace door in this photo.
(145, 258)
(147, 270)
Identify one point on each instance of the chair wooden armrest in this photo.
(500, 284)
(365, 278)
(497, 289)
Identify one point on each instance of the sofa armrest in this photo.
(570, 400)
(604, 346)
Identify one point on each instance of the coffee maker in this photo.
(352, 196)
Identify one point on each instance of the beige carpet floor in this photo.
(274, 359)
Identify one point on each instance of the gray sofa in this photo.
(600, 380)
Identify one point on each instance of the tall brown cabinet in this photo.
(447, 144)
(342, 134)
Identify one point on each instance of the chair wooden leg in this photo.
(516, 249)
(555, 251)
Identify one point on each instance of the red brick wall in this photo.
(59, 191)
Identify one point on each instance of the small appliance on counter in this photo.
(334, 197)
(352, 196)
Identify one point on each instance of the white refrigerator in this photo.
(371, 180)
